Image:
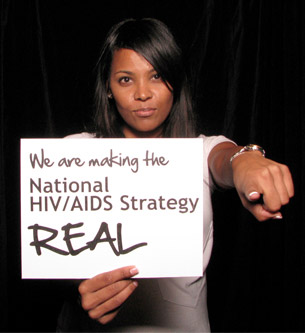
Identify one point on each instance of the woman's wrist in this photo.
(248, 148)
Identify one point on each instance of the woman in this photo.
(142, 92)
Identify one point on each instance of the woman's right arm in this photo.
(103, 295)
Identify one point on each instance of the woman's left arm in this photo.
(263, 185)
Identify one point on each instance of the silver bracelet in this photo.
(250, 147)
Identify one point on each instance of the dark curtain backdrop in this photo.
(247, 68)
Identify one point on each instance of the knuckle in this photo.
(117, 301)
(107, 279)
(115, 288)
(284, 198)
(86, 304)
(275, 169)
(285, 168)
(265, 173)
(106, 319)
(270, 172)
(93, 314)
(123, 274)
(273, 206)
(100, 311)
(82, 288)
(258, 217)
(277, 207)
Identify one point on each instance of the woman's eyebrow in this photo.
(130, 73)
(124, 72)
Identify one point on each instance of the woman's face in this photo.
(142, 98)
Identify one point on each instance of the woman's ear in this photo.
(109, 92)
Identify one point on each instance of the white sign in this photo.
(93, 205)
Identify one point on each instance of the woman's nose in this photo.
(142, 92)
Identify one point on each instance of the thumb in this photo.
(253, 196)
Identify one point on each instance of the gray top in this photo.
(169, 304)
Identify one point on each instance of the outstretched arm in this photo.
(263, 185)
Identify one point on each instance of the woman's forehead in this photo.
(129, 60)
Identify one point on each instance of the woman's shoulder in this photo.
(83, 135)
(214, 139)
(209, 142)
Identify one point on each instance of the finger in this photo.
(253, 196)
(280, 174)
(113, 303)
(282, 192)
(270, 195)
(270, 201)
(261, 214)
(105, 279)
(278, 187)
(288, 181)
(257, 209)
(92, 300)
(105, 319)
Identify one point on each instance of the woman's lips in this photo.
(145, 112)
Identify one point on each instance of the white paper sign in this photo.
(93, 205)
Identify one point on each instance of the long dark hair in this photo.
(153, 40)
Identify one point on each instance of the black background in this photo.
(247, 64)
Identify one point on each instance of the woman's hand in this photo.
(263, 185)
(103, 295)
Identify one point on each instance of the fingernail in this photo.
(135, 283)
(277, 217)
(134, 271)
(253, 194)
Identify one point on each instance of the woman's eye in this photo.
(124, 79)
(157, 76)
